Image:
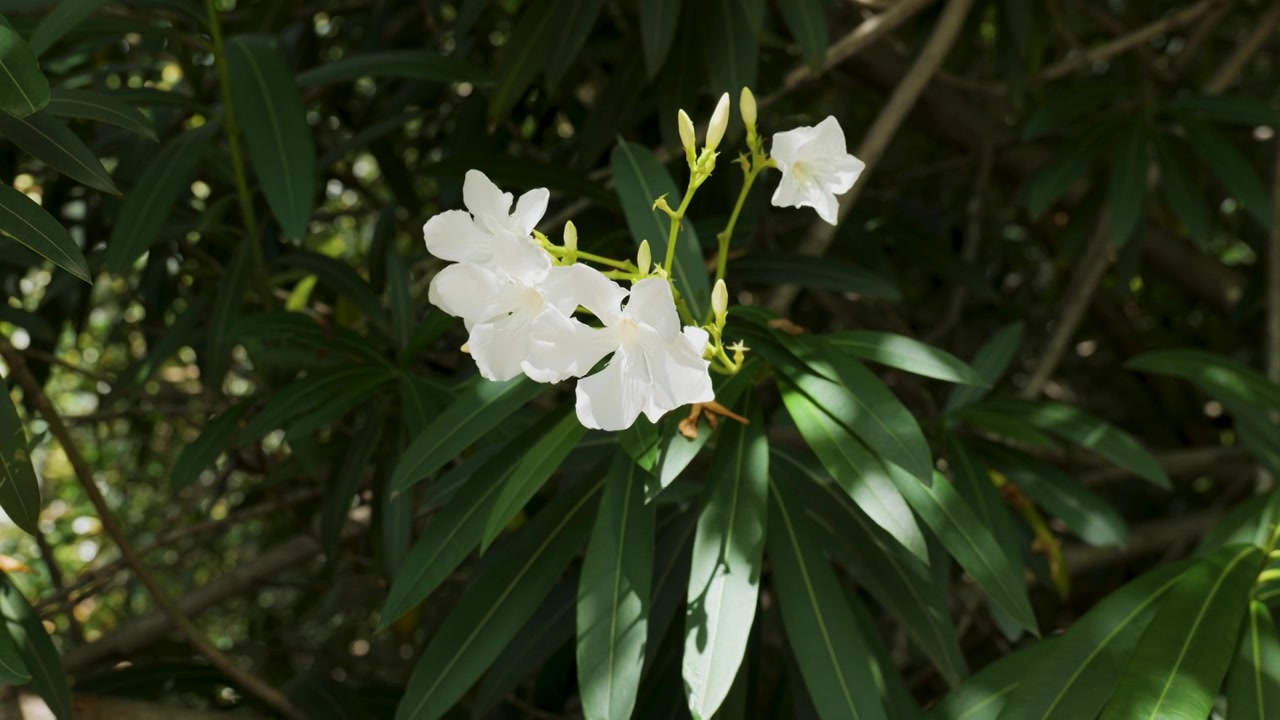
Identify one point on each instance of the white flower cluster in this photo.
(518, 307)
(816, 168)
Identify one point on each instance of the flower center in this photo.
(628, 331)
(531, 301)
(801, 171)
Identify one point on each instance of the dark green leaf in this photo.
(990, 363)
(807, 21)
(148, 205)
(1128, 186)
(347, 475)
(821, 629)
(906, 354)
(658, 21)
(226, 310)
(577, 17)
(613, 595)
(532, 472)
(205, 449)
(101, 107)
(1064, 108)
(983, 695)
(1180, 661)
(1232, 168)
(30, 224)
(524, 55)
(550, 628)
(19, 489)
(1053, 179)
(728, 548)
(1253, 687)
(64, 18)
(424, 65)
(1231, 109)
(340, 276)
(51, 142)
(523, 172)
(13, 669)
(400, 300)
(823, 273)
(23, 88)
(269, 108)
(502, 597)
(1221, 377)
(48, 678)
(640, 181)
(733, 48)
(1180, 190)
(313, 395)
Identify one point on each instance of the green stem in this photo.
(625, 265)
(676, 219)
(725, 235)
(237, 159)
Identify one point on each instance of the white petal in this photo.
(787, 145)
(484, 199)
(653, 304)
(561, 347)
(790, 192)
(612, 398)
(676, 373)
(452, 235)
(567, 287)
(529, 210)
(469, 292)
(829, 137)
(499, 348)
(825, 204)
(519, 257)
(841, 172)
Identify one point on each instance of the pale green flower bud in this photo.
(720, 302)
(719, 122)
(687, 135)
(570, 237)
(644, 258)
(747, 106)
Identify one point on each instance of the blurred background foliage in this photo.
(1073, 185)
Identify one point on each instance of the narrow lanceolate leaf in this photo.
(733, 52)
(480, 406)
(992, 359)
(50, 141)
(724, 578)
(1128, 184)
(532, 472)
(48, 678)
(613, 595)
(658, 21)
(1182, 657)
(821, 628)
(983, 694)
(899, 581)
(346, 479)
(1227, 380)
(1084, 512)
(226, 311)
(101, 107)
(13, 669)
(28, 223)
(1253, 686)
(856, 470)
(811, 272)
(641, 180)
(1076, 680)
(807, 21)
(975, 485)
(426, 65)
(148, 204)
(677, 451)
(906, 354)
(270, 110)
(1181, 192)
(216, 436)
(1232, 168)
(497, 604)
(19, 490)
(968, 541)
(23, 88)
(64, 18)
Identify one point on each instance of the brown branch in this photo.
(1231, 70)
(1120, 45)
(84, 474)
(882, 131)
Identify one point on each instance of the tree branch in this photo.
(1231, 70)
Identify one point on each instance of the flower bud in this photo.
(644, 258)
(747, 106)
(720, 302)
(719, 122)
(687, 137)
(570, 237)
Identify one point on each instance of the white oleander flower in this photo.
(491, 235)
(499, 310)
(656, 366)
(815, 167)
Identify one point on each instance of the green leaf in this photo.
(226, 310)
(898, 580)
(733, 48)
(983, 695)
(1128, 186)
(480, 406)
(51, 142)
(1253, 685)
(991, 361)
(23, 88)
(347, 474)
(400, 300)
(38, 652)
(64, 18)
(1180, 661)
(101, 107)
(269, 108)
(854, 468)
(13, 669)
(496, 605)
(824, 273)
(1054, 178)
(1067, 105)
(613, 595)
(905, 353)
(532, 472)
(641, 180)
(677, 451)
(340, 276)
(19, 489)
(30, 224)
(313, 395)
(807, 21)
(577, 17)
(1081, 673)
(207, 447)
(1181, 193)
(658, 22)
(148, 205)
(1219, 376)
(524, 55)
(1232, 168)
(1242, 110)
(820, 627)
(423, 65)
(968, 541)
(523, 172)
(550, 628)
(728, 548)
